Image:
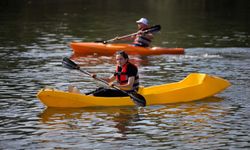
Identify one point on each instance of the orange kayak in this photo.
(84, 48)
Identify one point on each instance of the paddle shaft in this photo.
(120, 38)
(151, 29)
(101, 80)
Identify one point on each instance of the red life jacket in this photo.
(122, 76)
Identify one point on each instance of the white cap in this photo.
(143, 21)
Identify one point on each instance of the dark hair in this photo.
(122, 53)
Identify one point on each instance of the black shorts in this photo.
(104, 92)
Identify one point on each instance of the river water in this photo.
(34, 37)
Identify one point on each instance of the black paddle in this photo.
(152, 29)
(138, 99)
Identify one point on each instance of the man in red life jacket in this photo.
(125, 78)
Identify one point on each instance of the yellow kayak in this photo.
(195, 86)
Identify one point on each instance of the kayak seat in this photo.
(192, 79)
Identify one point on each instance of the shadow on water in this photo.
(96, 116)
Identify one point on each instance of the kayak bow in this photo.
(195, 86)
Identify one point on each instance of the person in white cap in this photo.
(142, 39)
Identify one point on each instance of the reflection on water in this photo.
(91, 117)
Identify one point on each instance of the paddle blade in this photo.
(153, 29)
(67, 63)
(138, 99)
